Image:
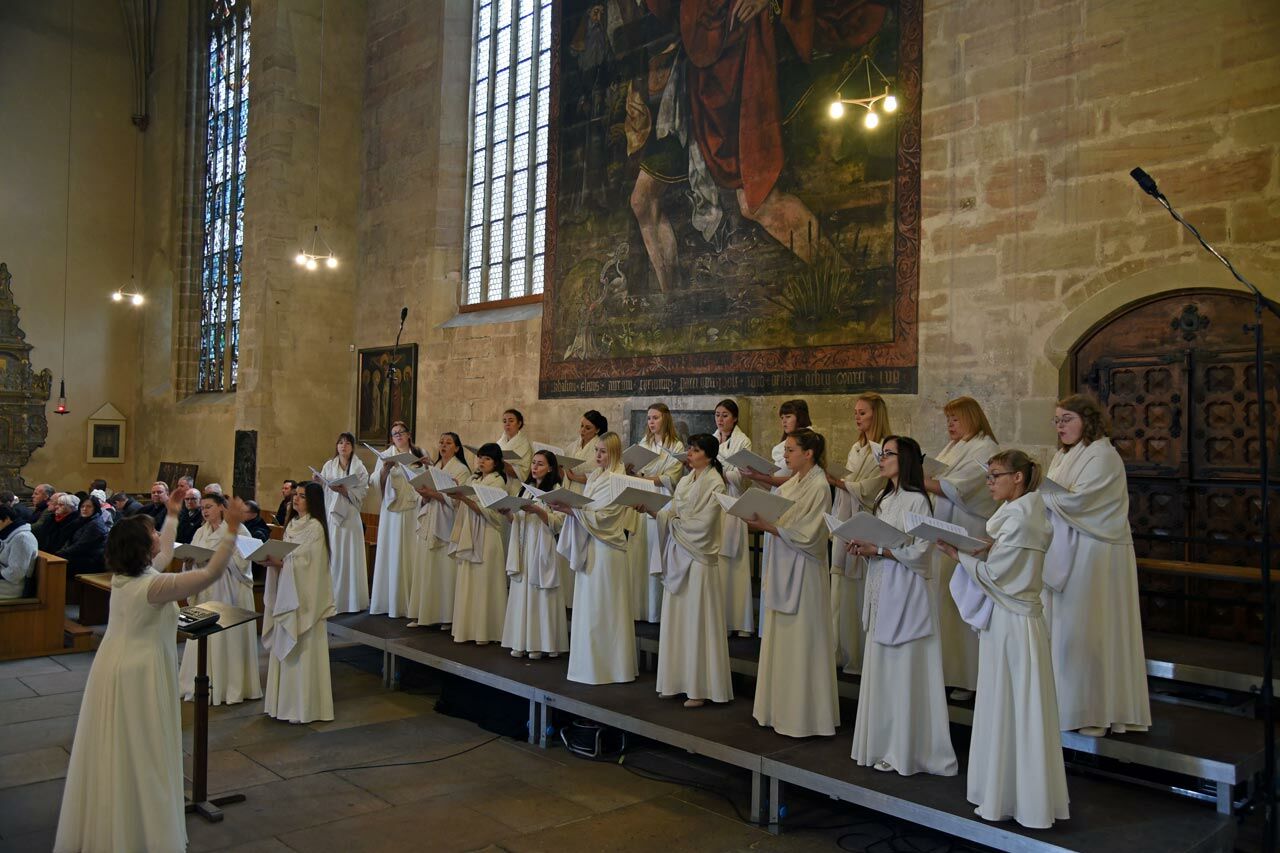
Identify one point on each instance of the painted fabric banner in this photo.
(715, 229)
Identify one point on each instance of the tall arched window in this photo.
(510, 107)
(226, 128)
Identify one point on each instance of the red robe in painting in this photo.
(733, 82)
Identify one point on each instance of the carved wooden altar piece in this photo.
(24, 394)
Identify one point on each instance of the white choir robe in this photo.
(433, 585)
(778, 457)
(536, 619)
(646, 590)
(902, 703)
(233, 654)
(479, 545)
(693, 649)
(297, 601)
(796, 680)
(967, 502)
(587, 453)
(1015, 756)
(735, 547)
(602, 636)
(347, 560)
(517, 444)
(848, 572)
(399, 550)
(1091, 593)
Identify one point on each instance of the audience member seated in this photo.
(40, 498)
(83, 551)
(124, 505)
(155, 509)
(100, 484)
(57, 528)
(286, 502)
(254, 523)
(108, 511)
(215, 488)
(21, 514)
(17, 554)
(189, 517)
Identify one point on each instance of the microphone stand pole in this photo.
(1268, 607)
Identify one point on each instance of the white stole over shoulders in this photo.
(862, 484)
(299, 594)
(732, 528)
(587, 453)
(802, 538)
(532, 549)
(517, 444)
(343, 508)
(666, 468)
(470, 528)
(396, 495)
(607, 525)
(965, 482)
(1096, 504)
(1011, 573)
(435, 519)
(900, 592)
(687, 530)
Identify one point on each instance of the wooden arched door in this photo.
(1176, 374)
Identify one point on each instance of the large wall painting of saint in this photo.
(715, 230)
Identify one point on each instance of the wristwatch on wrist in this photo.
(879, 551)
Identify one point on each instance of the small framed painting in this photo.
(105, 435)
(388, 391)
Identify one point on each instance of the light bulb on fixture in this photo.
(871, 121)
(331, 262)
(300, 259)
(890, 103)
(311, 263)
(117, 296)
(136, 299)
(837, 108)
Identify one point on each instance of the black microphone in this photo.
(1146, 182)
(404, 312)
(393, 371)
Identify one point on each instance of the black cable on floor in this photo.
(405, 763)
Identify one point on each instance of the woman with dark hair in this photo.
(479, 547)
(348, 565)
(602, 644)
(693, 650)
(961, 497)
(399, 549)
(591, 426)
(536, 622)
(735, 552)
(794, 417)
(664, 471)
(514, 440)
(796, 681)
(435, 574)
(83, 550)
(1091, 580)
(124, 782)
(902, 720)
(233, 654)
(297, 601)
(1015, 756)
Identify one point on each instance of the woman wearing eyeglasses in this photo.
(902, 722)
(960, 497)
(399, 548)
(1015, 756)
(1091, 580)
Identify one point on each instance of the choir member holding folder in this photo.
(433, 584)
(794, 416)
(735, 551)
(399, 549)
(513, 441)
(479, 545)
(663, 471)
(1091, 579)
(684, 537)
(602, 644)
(233, 654)
(124, 780)
(1015, 756)
(536, 623)
(902, 720)
(796, 682)
(297, 601)
(346, 482)
(591, 426)
(855, 490)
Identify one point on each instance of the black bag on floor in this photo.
(489, 708)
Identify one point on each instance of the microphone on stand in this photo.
(1146, 182)
(393, 371)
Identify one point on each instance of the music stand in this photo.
(200, 802)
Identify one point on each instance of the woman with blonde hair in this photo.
(399, 550)
(961, 498)
(1091, 580)
(855, 491)
(664, 472)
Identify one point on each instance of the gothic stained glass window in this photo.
(507, 205)
(226, 128)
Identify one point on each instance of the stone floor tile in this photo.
(40, 708)
(230, 770)
(41, 839)
(435, 825)
(30, 666)
(13, 688)
(363, 711)
(36, 765)
(519, 805)
(599, 786)
(80, 660)
(234, 732)
(35, 734)
(29, 808)
(493, 761)
(67, 681)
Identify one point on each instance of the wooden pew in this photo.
(32, 627)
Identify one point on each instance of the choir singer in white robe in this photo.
(602, 642)
(297, 601)
(693, 649)
(591, 426)
(902, 722)
(664, 472)
(735, 548)
(347, 560)
(399, 549)
(796, 681)
(536, 622)
(233, 654)
(1091, 580)
(514, 439)
(434, 581)
(961, 498)
(1015, 757)
(855, 492)
(480, 547)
